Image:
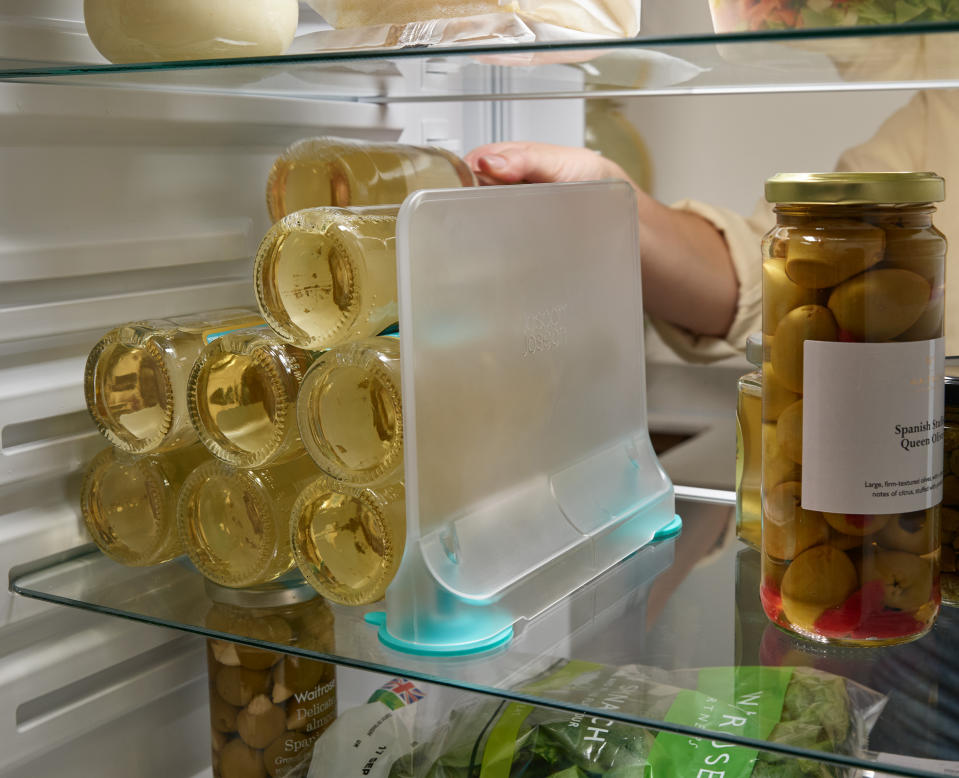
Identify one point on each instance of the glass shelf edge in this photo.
(679, 91)
(428, 52)
(19, 584)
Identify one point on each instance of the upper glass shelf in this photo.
(691, 602)
(853, 58)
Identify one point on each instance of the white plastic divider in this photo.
(514, 505)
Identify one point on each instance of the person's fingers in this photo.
(504, 163)
(492, 167)
(510, 163)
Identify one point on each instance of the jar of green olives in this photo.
(749, 446)
(949, 533)
(852, 405)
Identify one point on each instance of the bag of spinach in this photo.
(800, 707)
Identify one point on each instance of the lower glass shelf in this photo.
(691, 602)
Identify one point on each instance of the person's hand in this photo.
(539, 163)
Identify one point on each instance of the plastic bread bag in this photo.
(598, 18)
(799, 707)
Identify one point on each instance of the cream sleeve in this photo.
(898, 145)
(743, 237)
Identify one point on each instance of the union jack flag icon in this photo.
(404, 689)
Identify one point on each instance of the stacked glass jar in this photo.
(266, 393)
(325, 280)
(135, 389)
(853, 281)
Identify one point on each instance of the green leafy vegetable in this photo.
(816, 715)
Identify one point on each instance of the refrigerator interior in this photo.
(119, 204)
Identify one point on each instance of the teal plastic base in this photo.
(671, 530)
(378, 619)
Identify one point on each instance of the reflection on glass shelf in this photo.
(691, 602)
(882, 57)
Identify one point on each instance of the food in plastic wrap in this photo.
(162, 30)
(740, 15)
(411, 22)
(798, 707)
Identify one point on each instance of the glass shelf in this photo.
(686, 603)
(858, 58)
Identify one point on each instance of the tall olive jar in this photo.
(852, 404)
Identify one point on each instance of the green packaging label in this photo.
(742, 701)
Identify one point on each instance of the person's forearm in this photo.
(688, 275)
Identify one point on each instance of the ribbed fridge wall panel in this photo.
(116, 204)
(164, 738)
(45, 31)
(73, 674)
(50, 523)
(93, 235)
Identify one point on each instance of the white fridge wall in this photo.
(702, 147)
(118, 204)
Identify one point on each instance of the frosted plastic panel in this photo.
(523, 384)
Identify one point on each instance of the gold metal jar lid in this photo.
(855, 188)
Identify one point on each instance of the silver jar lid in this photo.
(288, 590)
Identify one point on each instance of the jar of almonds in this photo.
(267, 708)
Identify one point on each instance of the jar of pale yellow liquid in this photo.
(235, 524)
(749, 447)
(327, 275)
(348, 542)
(129, 503)
(350, 411)
(242, 397)
(340, 172)
(136, 376)
(268, 708)
(853, 309)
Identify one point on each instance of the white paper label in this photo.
(872, 426)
